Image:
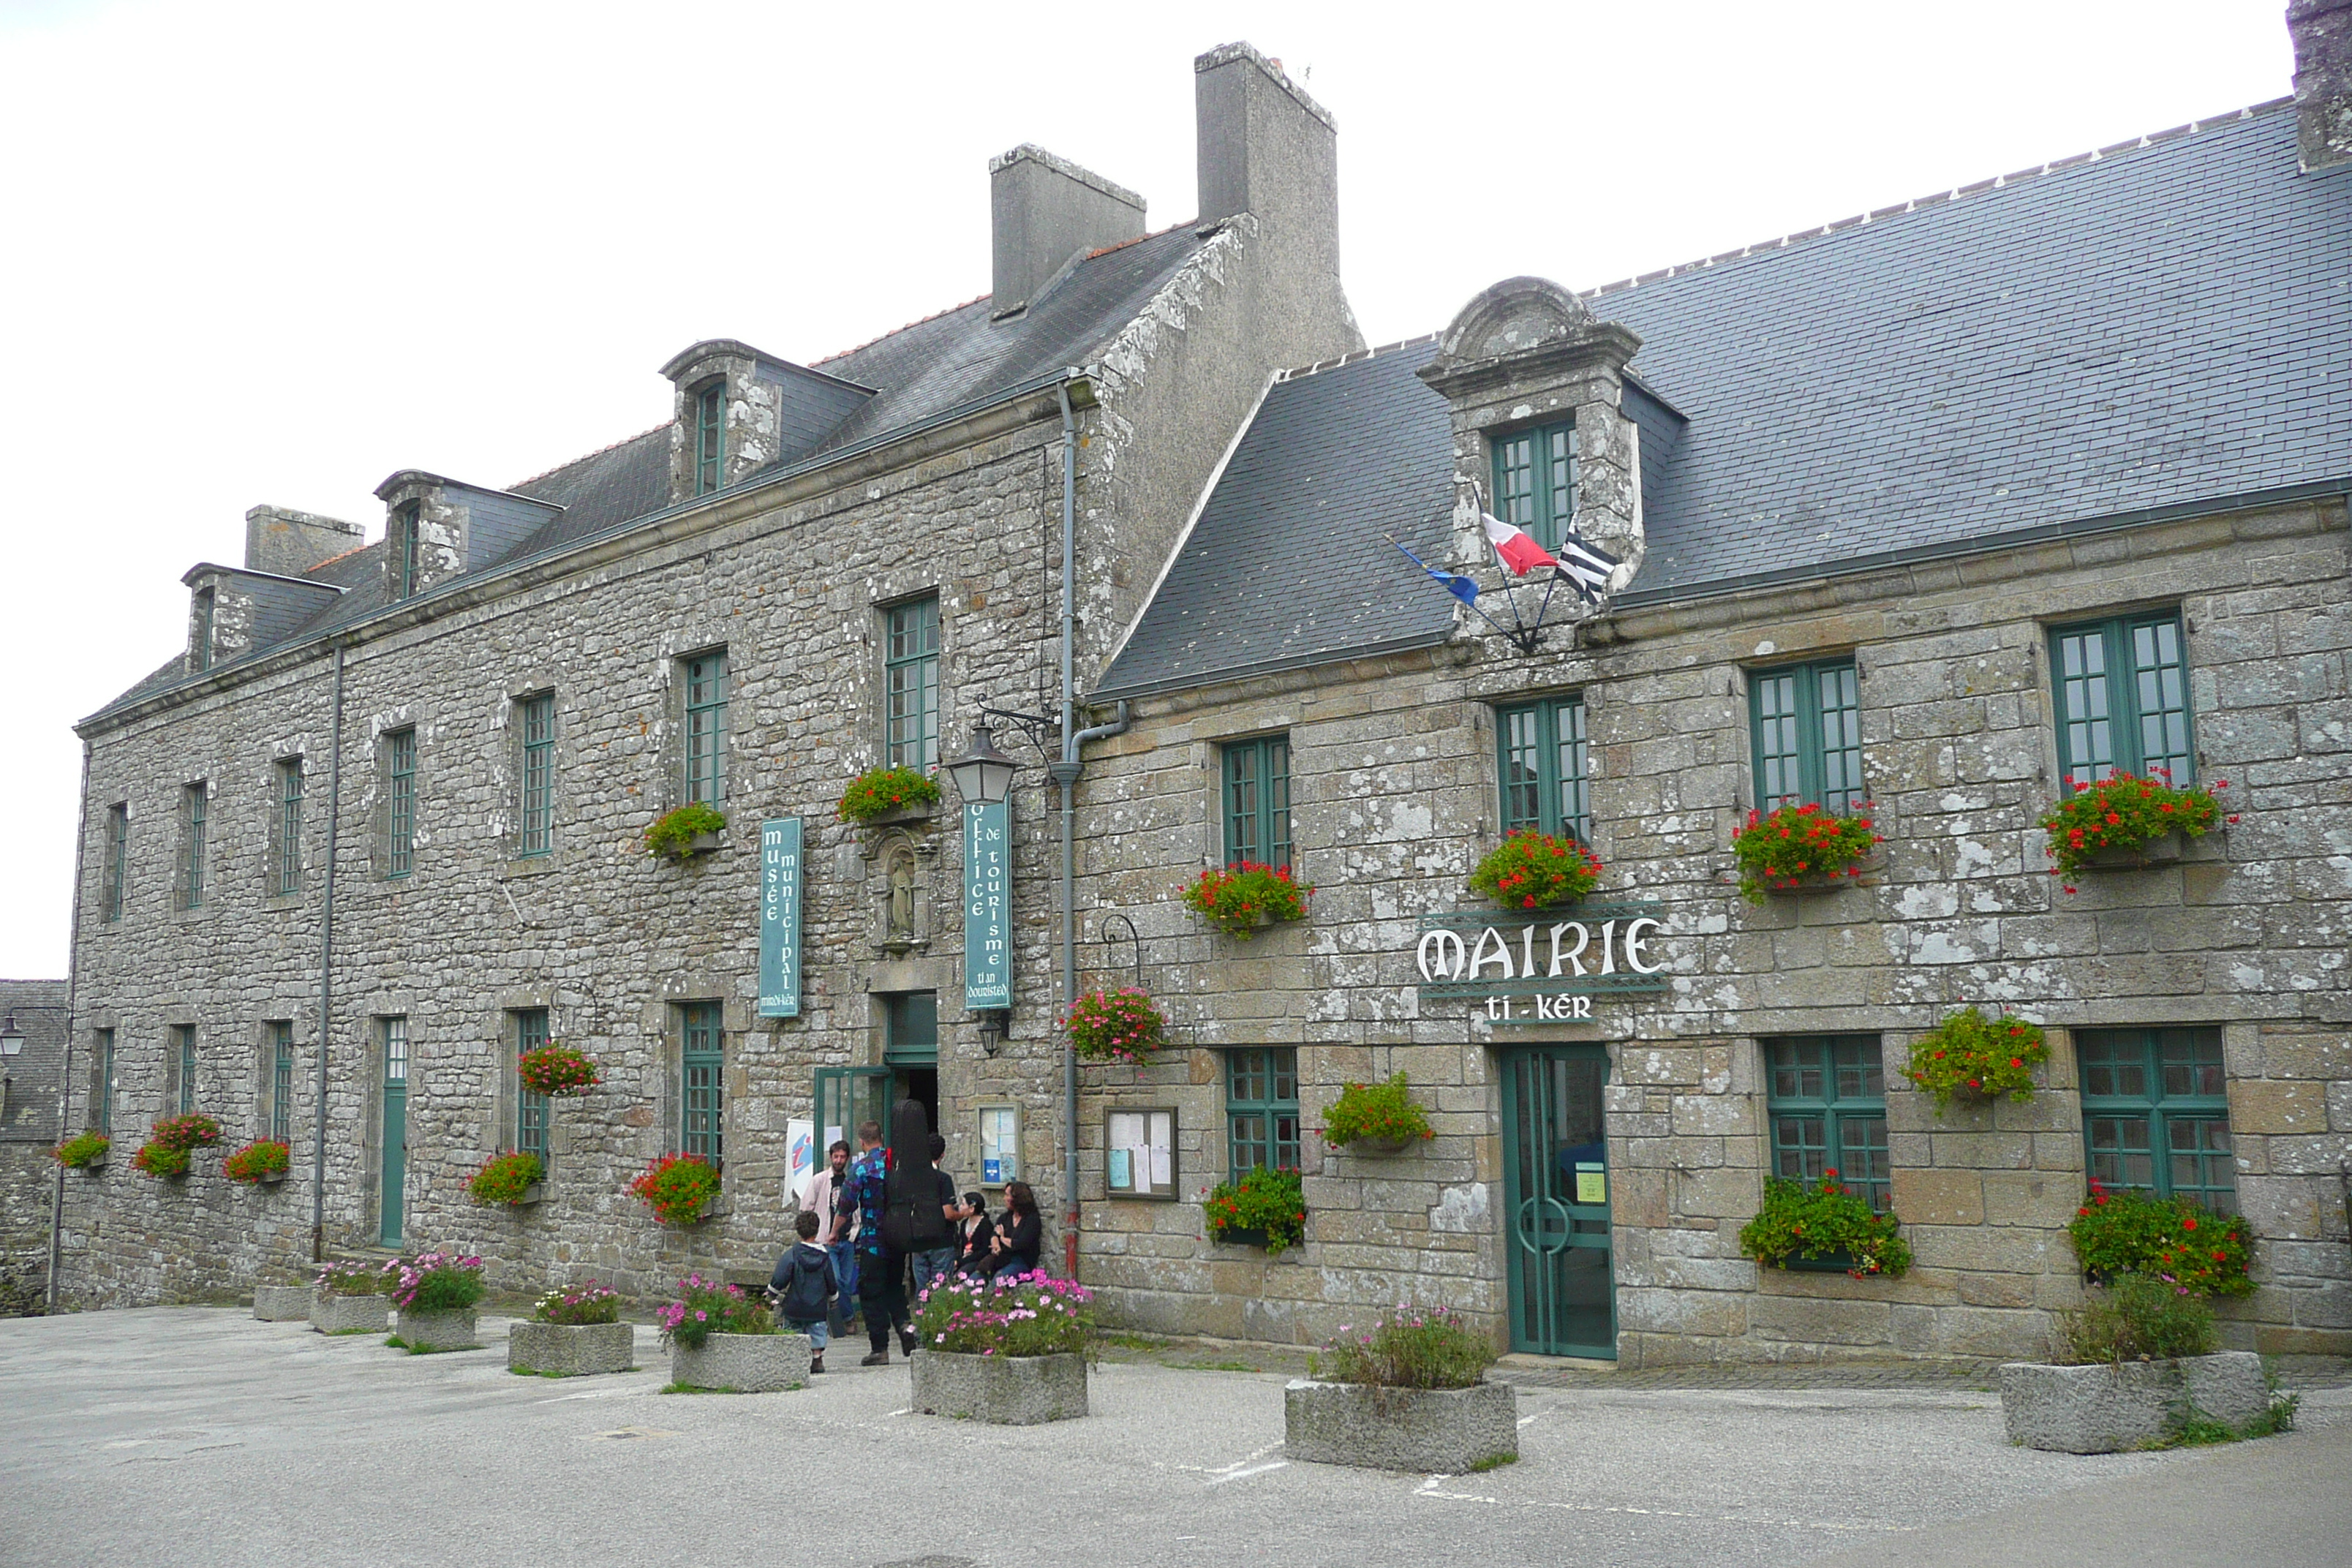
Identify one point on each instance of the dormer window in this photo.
(200, 655)
(710, 436)
(1535, 480)
(403, 550)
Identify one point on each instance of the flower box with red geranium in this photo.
(512, 1181)
(1376, 1118)
(83, 1152)
(1971, 1057)
(679, 1188)
(1266, 1207)
(1123, 1025)
(1243, 896)
(1803, 1224)
(169, 1143)
(1531, 870)
(556, 1069)
(2120, 1231)
(1795, 846)
(888, 794)
(2116, 820)
(261, 1162)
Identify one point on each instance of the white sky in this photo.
(256, 252)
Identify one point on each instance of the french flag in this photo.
(1520, 553)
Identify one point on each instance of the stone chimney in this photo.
(1046, 213)
(1265, 147)
(2321, 33)
(287, 543)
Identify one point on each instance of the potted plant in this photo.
(83, 1152)
(2176, 1240)
(510, 1180)
(1406, 1394)
(1010, 1351)
(572, 1332)
(1375, 1118)
(558, 1069)
(721, 1340)
(2119, 820)
(354, 1297)
(1240, 897)
(2131, 1370)
(262, 1163)
(436, 1293)
(679, 1188)
(1971, 1057)
(1795, 848)
(1265, 1207)
(169, 1143)
(1123, 1025)
(888, 794)
(1532, 870)
(280, 1303)
(692, 830)
(1824, 1227)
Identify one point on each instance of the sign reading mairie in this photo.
(987, 906)
(780, 918)
(1607, 950)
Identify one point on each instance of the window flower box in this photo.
(514, 1181)
(1245, 898)
(1003, 1389)
(1266, 1205)
(880, 796)
(1532, 870)
(1801, 849)
(1239, 1236)
(83, 1152)
(690, 830)
(2123, 821)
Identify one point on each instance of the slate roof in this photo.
(2163, 325)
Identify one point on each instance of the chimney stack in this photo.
(1045, 213)
(287, 542)
(1264, 147)
(2321, 33)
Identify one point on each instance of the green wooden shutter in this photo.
(281, 1082)
(1261, 1107)
(1826, 1098)
(706, 727)
(1544, 768)
(1805, 724)
(400, 803)
(911, 682)
(2156, 1112)
(1257, 801)
(2120, 689)
(534, 1113)
(701, 1126)
(539, 774)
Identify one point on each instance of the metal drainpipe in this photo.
(64, 1073)
(326, 968)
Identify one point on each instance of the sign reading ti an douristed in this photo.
(987, 906)
(780, 918)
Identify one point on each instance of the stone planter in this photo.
(571, 1350)
(2104, 1409)
(742, 1363)
(1007, 1391)
(423, 1332)
(283, 1303)
(352, 1314)
(1441, 1431)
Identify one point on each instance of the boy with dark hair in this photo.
(804, 1286)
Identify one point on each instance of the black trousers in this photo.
(882, 1292)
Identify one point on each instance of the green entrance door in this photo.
(1556, 1178)
(395, 1129)
(846, 1096)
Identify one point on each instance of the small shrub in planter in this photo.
(1976, 1058)
(878, 792)
(673, 835)
(2135, 1368)
(1115, 1026)
(2178, 1241)
(1245, 895)
(262, 1159)
(1407, 1347)
(1821, 1219)
(1531, 870)
(171, 1141)
(2136, 1317)
(2121, 812)
(1405, 1394)
(677, 1187)
(557, 1070)
(1267, 1201)
(1794, 845)
(505, 1179)
(83, 1151)
(1382, 1115)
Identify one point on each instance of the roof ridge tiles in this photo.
(1937, 199)
(343, 555)
(584, 457)
(1323, 364)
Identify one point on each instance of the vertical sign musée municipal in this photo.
(987, 907)
(780, 918)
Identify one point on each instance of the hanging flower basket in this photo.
(1971, 1057)
(1531, 870)
(260, 1161)
(557, 1070)
(679, 1188)
(1794, 846)
(1824, 1221)
(1124, 1025)
(2121, 813)
(83, 1152)
(885, 792)
(691, 829)
(1243, 896)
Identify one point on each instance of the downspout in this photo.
(65, 1074)
(326, 967)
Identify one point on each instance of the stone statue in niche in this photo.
(903, 905)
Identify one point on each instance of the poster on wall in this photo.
(800, 1146)
(780, 918)
(987, 906)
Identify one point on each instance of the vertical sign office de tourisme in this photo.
(780, 918)
(987, 906)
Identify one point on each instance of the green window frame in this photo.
(1544, 768)
(706, 727)
(118, 859)
(2119, 691)
(103, 1117)
(539, 774)
(203, 652)
(1825, 1097)
(184, 1044)
(1805, 721)
(288, 878)
(534, 1113)
(400, 803)
(194, 830)
(1262, 1108)
(1535, 480)
(1256, 775)
(910, 677)
(405, 543)
(701, 1119)
(710, 436)
(282, 1080)
(2156, 1112)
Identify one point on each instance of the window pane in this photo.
(1796, 1069)
(1777, 744)
(911, 681)
(1275, 833)
(2085, 736)
(710, 438)
(700, 1133)
(281, 1082)
(1514, 480)
(400, 802)
(533, 1112)
(1573, 813)
(395, 1050)
(1863, 1163)
(1860, 1073)
(2201, 1160)
(539, 774)
(2192, 1063)
(706, 727)
(1841, 731)
(1282, 1066)
(2114, 1065)
(290, 828)
(1522, 753)
(1560, 486)
(2119, 1152)
(1800, 1146)
(2161, 687)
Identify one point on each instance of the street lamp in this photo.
(12, 1039)
(984, 776)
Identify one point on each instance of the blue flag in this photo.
(1453, 583)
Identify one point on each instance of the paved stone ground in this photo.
(199, 1435)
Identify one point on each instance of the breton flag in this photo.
(1585, 568)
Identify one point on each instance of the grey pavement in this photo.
(200, 1434)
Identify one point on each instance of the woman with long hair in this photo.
(1020, 1233)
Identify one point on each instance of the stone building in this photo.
(1868, 485)
(33, 1030)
